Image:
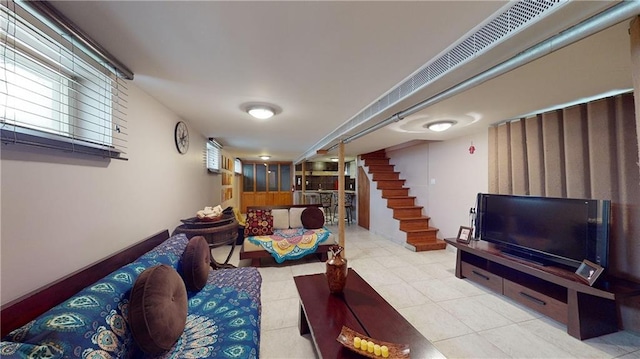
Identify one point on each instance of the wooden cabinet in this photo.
(483, 277)
(536, 300)
(555, 292)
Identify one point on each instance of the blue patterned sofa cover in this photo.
(223, 318)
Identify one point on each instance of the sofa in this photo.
(159, 286)
(285, 233)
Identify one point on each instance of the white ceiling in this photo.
(323, 62)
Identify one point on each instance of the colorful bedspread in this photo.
(294, 243)
(223, 318)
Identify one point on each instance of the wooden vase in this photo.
(336, 270)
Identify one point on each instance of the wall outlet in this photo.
(433, 181)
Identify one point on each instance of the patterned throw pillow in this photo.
(259, 223)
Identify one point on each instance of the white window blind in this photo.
(213, 155)
(53, 92)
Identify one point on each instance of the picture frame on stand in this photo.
(589, 272)
(464, 234)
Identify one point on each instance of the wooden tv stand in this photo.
(556, 292)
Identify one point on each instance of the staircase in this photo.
(412, 222)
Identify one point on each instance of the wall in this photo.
(60, 212)
(443, 177)
(459, 176)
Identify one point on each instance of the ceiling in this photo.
(323, 62)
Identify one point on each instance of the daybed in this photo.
(88, 313)
(278, 232)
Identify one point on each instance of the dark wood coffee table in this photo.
(360, 308)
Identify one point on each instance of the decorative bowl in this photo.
(396, 351)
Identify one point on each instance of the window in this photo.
(285, 177)
(36, 96)
(248, 180)
(238, 166)
(263, 177)
(213, 155)
(54, 93)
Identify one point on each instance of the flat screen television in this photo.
(548, 230)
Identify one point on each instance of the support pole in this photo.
(304, 184)
(341, 211)
(634, 32)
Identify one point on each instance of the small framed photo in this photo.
(589, 272)
(464, 234)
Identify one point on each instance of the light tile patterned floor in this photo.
(462, 320)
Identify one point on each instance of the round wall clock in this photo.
(182, 137)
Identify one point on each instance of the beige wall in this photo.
(445, 179)
(459, 176)
(61, 212)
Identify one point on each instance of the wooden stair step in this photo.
(381, 168)
(417, 234)
(394, 192)
(387, 184)
(403, 201)
(409, 211)
(422, 246)
(376, 161)
(385, 175)
(375, 154)
(414, 223)
(417, 218)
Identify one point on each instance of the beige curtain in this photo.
(585, 151)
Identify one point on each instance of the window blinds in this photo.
(213, 155)
(54, 93)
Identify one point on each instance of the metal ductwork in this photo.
(614, 15)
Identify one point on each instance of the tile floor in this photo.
(461, 319)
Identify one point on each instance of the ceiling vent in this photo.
(495, 30)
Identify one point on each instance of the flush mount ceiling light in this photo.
(265, 157)
(261, 112)
(334, 159)
(440, 126)
(421, 123)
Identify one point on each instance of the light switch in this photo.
(433, 181)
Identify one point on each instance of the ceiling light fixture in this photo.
(265, 157)
(334, 159)
(261, 112)
(440, 126)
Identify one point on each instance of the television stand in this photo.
(516, 256)
(556, 292)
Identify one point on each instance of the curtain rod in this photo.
(44, 8)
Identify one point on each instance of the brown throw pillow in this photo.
(312, 218)
(157, 309)
(259, 223)
(196, 263)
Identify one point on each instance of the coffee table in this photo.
(360, 308)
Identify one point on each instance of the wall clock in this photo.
(182, 137)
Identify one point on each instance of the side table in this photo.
(216, 233)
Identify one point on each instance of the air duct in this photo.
(614, 15)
